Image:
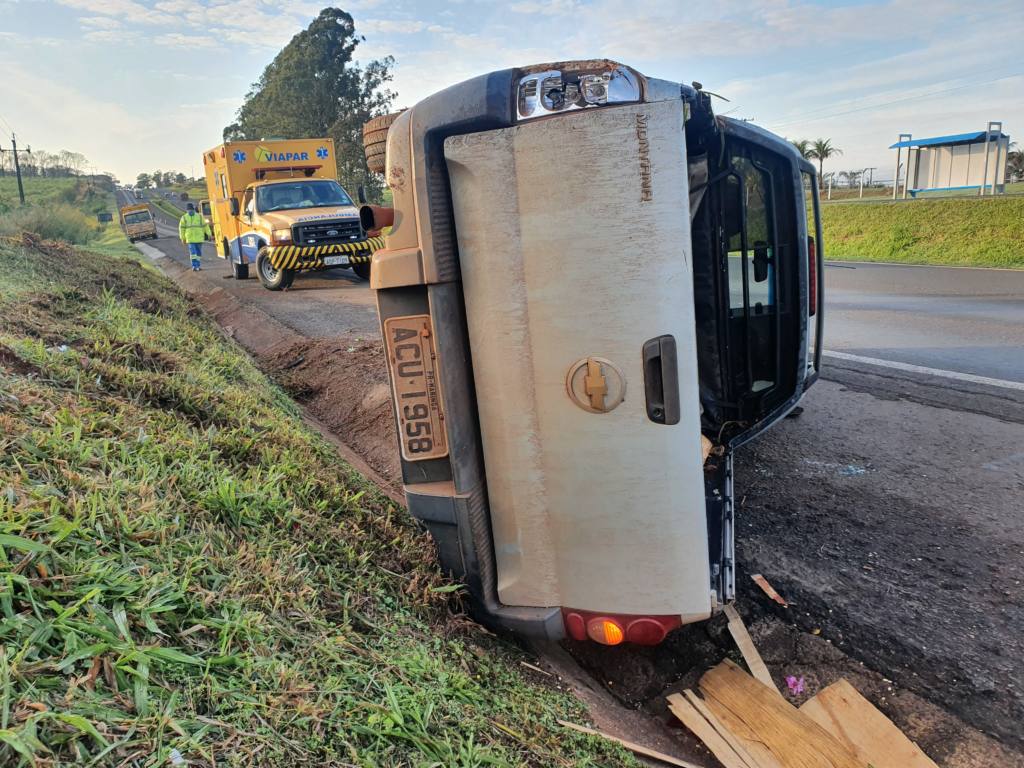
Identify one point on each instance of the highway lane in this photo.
(965, 320)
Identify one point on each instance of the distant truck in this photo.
(278, 205)
(138, 222)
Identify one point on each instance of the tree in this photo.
(337, 95)
(803, 146)
(179, 178)
(821, 150)
(143, 180)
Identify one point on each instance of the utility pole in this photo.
(17, 165)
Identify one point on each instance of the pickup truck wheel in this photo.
(239, 271)
(272, 279)
(362, 271)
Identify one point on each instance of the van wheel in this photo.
(272, 279)
(240, 271)
(362, 271)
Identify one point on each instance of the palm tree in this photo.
(821, 150)
(803, 146)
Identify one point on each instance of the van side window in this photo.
(749, 188)
(248, 203)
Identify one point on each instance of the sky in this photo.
(140, 85)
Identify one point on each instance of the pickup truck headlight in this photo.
(279, 236)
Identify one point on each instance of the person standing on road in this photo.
(193, 230)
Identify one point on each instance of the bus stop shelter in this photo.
(962, 161)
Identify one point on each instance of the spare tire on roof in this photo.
(375, 137)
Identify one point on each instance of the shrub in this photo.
(52, 222)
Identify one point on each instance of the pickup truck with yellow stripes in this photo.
(278, 204)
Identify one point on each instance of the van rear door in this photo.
(596, 498)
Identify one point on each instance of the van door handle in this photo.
(661, 380)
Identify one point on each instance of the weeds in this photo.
(57, 222)
(184, 566)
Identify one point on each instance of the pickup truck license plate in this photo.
(412, 359)
(334, 261)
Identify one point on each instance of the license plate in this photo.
(333, 261)
(413, 360)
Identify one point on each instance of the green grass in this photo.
(976, 232)
(166, 206)
(185, 565)
(43, 191)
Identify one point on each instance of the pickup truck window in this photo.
(320, 193)
(139, 217)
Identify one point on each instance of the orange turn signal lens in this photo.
(605, 631)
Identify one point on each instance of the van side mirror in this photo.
(760, 261)
(234, 206)
(361, 194)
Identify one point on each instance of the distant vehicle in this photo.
(138, 194)
(278, 205)
(593, 292)
(138, 222)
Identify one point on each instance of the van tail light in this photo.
(812, 277)
(616, 628)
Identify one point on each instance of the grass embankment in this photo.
(184, 565)
(63, 209)
(167, 207)
(972, 232)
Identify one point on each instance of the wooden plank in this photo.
(792, 738)
(746, 645)
(735, 741)
(653, 754)
(703, 730)
(769, 590)
(869, 734)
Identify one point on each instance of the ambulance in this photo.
(278, 205)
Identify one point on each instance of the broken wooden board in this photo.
(741, 748)
(763, 720)
(689, 716)
(632, 747)
(746, 645)
(870, 735)
(769, 590)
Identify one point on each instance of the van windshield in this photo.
(300, 194)
(140, 217)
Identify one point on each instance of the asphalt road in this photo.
(892, 511)
(965, 320)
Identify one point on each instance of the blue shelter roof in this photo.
(956, 138)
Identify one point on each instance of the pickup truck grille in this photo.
(327, 232)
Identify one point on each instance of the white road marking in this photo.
(148, 250)
(968, 377)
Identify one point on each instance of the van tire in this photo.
(272, 279)
(362, 270)
(239, 271)
(375, 137)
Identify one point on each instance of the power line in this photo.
(9, 126)
(894, 101)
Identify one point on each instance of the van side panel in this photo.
(596, 511)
